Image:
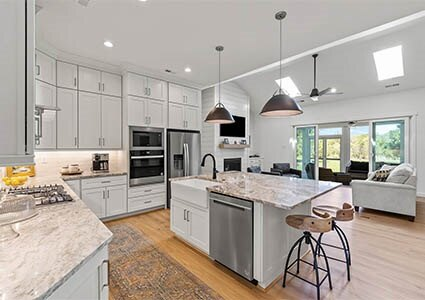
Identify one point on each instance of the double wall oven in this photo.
(146, 156)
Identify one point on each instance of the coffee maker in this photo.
(100, 162)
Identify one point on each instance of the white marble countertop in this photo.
(91, 174)
(51, 247)
(279, 191)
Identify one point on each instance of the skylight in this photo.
(389, 63)
(288, 86)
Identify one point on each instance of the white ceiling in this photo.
(161, 34)
(350, 68)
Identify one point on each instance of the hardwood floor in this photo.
(387, 257)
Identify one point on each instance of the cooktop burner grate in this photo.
(43, 194)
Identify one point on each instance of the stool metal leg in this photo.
(298, 242)
(346, 251)
(346, 242)
(315, 266)
(318, 245)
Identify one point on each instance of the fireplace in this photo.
(233, 164)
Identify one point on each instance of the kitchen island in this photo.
(59, 254)
(272, 198)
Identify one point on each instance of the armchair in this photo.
(285, 170)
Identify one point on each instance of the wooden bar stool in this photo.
(309, 224)
(343, 214)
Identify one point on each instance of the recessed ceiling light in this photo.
(288, 86)
(389, 63)
(143, 0)
(108, 44)
(333, 90)
(187, 70)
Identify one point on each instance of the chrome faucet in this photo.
(214, 165)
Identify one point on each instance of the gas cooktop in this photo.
(43, 194)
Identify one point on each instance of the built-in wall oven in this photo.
(146, 156)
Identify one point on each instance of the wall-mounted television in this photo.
(236, 129)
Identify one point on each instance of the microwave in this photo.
(144, 138)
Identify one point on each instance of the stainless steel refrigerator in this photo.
(183, 155)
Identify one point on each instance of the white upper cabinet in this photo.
(89, 129)
(67, 119)
(176, 116)
(157, 111)
(147, 87)
(111, 84)
(47, 138)
(45, 94)
(192, 97)
(111, 122)
(192, 118)
(45, 68)
(157, 89)
(137, 111)
(184, 95)
(89, 80)
(67, 75)
(176, 93)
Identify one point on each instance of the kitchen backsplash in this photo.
(48, 164)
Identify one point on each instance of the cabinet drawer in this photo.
(146, 190)
(145, 202)
(103, 181)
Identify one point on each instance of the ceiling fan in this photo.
(315, 93)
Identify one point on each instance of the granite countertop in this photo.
(51, 247)
(279, 191)
(91, 174)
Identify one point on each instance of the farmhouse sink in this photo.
(192, 190)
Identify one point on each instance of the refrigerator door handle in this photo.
(188, 161)
(185, 160)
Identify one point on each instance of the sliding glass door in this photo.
(388, 143)
(305, 152)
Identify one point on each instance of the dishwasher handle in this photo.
(230, 204)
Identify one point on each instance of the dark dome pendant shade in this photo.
(219, 114)
(281, 104)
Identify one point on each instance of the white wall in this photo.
(237, 102)
(272, 136)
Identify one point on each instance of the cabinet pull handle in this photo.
(99, 87)
(103, 140)
(184, 215)
(105, 181)
(100, 141)
(103, 86)
(103, 194)
(75, 81)
(149, 91)
(187, 217)
(75, 141)
(107, 194)
(107, 279)
(148, 201)
(148, 191)
(146, 91)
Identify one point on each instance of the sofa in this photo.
(396, 195)
(326, 174)
(257, 169)
(285, 170)
(358, 169)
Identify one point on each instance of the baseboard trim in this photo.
(422, 195)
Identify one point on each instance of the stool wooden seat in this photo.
(344, 213)
(309, 224)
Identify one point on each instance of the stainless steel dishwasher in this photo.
(231, 233)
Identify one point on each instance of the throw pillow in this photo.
(401, 173)
(381, 175)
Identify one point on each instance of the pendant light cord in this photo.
(219, 78)
(280, 55)
(314, 71)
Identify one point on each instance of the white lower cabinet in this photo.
(191, 223)
(90, 282)
(146, 197)
(75, 186)
(105, 196)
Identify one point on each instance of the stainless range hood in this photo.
(38, 115)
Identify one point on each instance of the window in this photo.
(388, 143)
(359, 143)
(330, 148)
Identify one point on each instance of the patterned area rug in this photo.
(138, 270)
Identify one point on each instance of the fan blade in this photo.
(336, 93)
(325, 91)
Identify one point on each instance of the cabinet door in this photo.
(89, 80)
(176, 116)
(175, 93)
(67, 75)
(137, 111)
(48, 131)
(192, 118)
(136, 85)
(111, 84)
(67, 124)
(89, 120)
(111, 122)
(157, 89)
(45, 68)
(45, 94)
(179, 225)
(156, 113)
(75, 186)
(198, 232)
(116, 200)
(191, 97)
(95, 200)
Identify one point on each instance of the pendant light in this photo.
(219, 114)
(281, 104)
